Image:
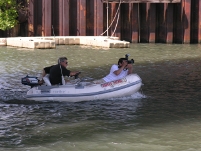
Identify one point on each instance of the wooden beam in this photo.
(142, 1)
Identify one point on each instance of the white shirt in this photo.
(111, 76)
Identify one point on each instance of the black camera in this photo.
(129, 61)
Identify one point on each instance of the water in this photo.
(164, 116)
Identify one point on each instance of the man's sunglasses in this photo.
(65, 62)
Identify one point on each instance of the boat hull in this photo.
(87, 91)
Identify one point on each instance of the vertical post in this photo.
(135, 23)
(199, 22)
(81, 17)
(61, 17)
(65, 18)
(151, 10)
(46, 18)
(164, 23)
(117, 23)
(144, 36)
(169, 22)
(98, 17)
(161, 23)
(186, 20)
(195, 21)
(126, 22)
(182, 21)
(31, 18)
(107, 17)
(178, 34)
(72, 17)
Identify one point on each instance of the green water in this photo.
(164, 116)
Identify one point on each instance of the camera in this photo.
(129, 61)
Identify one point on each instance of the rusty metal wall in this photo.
(136, 22)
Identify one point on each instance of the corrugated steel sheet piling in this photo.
(159, 21)
(46, 18)
(116, 16)
(31, 18)
(135, 24)
(199, 20)
(63, 17)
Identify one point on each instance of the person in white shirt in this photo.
(117, 71)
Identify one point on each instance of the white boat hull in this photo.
(87, 91)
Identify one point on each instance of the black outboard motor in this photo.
(31, 81)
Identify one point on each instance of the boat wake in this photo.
(6, 95)
(137, 95)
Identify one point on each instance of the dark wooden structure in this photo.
(137, 21)
(142, 1)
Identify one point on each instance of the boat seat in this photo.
(47, 80)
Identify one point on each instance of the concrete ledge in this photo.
(51, 42)
(3, 41)
(31, 42)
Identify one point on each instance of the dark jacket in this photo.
(55, 74)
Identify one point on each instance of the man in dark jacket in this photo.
(57, 71)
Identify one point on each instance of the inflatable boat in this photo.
(81, 90)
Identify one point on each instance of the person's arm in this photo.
(44, 73)
(130, 68)
(124, 64)
(46, 70)
(72, 73)
(67, 72)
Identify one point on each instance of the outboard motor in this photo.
(31, 81)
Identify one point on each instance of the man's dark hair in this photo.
(61, 59)
(121, 60)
